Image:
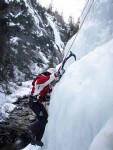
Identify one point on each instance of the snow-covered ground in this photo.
(32, 147)
(6, 101)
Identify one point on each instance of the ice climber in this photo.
(40, 89)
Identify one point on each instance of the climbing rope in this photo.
(84, 8)
(81, 24)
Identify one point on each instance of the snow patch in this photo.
(32, 147)
(6, 109)
(56, 32)
(14, 40)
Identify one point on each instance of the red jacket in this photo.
(41, 86)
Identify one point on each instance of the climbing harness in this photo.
(81, 23)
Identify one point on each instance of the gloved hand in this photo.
(61, 71)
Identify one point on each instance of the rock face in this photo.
(28, 39)
(13, 130)
(22, 115)
(19, 119)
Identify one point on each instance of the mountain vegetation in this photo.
(27, 38)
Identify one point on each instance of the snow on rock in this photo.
(21, 91)
(12, 24)
(14, 40)
(6, 100)
(104, 139)
(6, 109)
(32, 147)
(35, 69)
(7, 1)
(32, 12)
(45, 60)
(56, 32)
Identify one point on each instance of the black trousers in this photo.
(38, 126)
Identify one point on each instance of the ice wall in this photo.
(96, 30)
(82, 102)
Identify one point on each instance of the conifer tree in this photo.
(5, 58)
